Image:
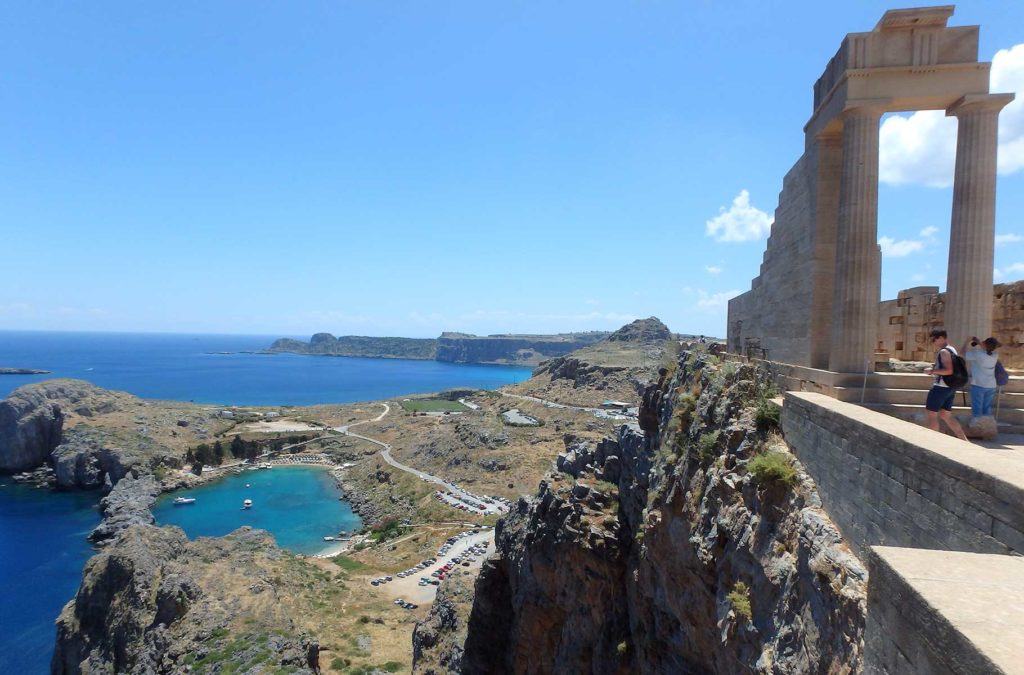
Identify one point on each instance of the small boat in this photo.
(246, 485)
(184, 500)
(247, 504)
(328, 538)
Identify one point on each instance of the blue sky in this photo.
(406, 168)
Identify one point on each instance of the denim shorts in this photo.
(940, 398)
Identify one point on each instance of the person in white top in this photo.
(940, 397)
(981, 359)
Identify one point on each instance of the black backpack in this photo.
(959, 377)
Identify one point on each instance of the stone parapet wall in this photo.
(889, 482)
(944, 612)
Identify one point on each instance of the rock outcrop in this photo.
(681, 557)
(154, 602)
(31, 423)
(437, 641)
(88, 458)
(127, 504)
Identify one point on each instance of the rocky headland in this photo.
(615, 368)
(154, 602)
(22, 371)
(449, 347)
(699, 547)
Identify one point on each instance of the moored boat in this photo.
(247, 504)
(184, 500)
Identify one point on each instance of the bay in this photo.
(195, 368)
(298, 505)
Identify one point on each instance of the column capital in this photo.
(974, 103)
(865, 107)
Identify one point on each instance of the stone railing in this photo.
(889, 482)
(930, 515)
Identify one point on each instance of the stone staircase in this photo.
(901, 395)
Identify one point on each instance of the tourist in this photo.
(981, 359)
(940, 396)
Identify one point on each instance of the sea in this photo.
(42, 534)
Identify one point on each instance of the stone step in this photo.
(1011, 420)
(912, 396)
(905, 381)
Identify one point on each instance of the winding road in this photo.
(385, 452)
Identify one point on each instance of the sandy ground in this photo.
(409, 588)
(278, 426)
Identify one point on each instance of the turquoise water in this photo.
(189, 368)
(298, 505)
(42, 551)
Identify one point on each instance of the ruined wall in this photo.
(904, 323)
(886, 481)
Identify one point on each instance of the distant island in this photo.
(23, 371)
(523, 350)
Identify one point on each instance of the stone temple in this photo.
(816, 301)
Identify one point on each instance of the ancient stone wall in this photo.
(889, 482)
(904, 323)
(772, 318)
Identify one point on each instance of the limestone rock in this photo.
(127, 504)
(638, 578)
(31, 423)
(981, 427)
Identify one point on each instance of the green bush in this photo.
(739, 598)
(767, 414)
(773, 467)
(707, 445)
(391, 667)
(348, 564)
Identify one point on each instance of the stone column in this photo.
(972, 228)
(858, 260)
(829, 153)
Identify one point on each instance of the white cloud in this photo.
(1009, 271)
(929, 231)
(1008, 239)
(740, 222)
(899, 249)
(713, 269)
(707, 300)
(921, 148)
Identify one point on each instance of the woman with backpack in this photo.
(981, 358)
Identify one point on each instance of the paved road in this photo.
(598, 412)
(423, 475)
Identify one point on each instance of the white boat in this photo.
(247, 504)
(184, 500)
(328, 538)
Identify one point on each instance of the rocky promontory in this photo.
(85, 437)
(22, 371)
(154, 602)
(449, 347)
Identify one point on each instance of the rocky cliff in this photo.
(359, 345)
(153, 602)
(450, 347)
(699, 549)
(31, 422)
(521, 349)
(92, 437)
